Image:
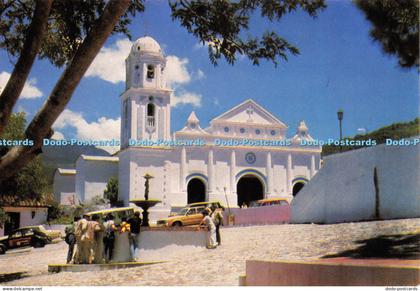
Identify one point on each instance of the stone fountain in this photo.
(146, 203)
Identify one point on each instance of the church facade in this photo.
(243, 155)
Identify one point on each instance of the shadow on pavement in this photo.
(385, 246)
(12, 276)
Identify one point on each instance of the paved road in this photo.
(222, 266)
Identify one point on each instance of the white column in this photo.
(232, 172)
(210, 172)
(133, 115)
(289, 174)
(312, 173)
(269, 171)
(183, 171)
(168, 122)
(143, 122)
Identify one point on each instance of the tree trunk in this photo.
(31, 47)
(40, 126)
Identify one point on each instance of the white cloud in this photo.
(186, 97)
(102, 129)
(200, 74)
(176, 72)
(57, 135)
(30, 91)
(109, 64)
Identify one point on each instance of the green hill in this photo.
(65, 157)
(394, 131)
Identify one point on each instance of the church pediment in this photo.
(249, 112)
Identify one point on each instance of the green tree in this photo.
(30, 181)
(395, 27)
(71, 33)
(111, 191)
(3, 217)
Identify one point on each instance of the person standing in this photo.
(217, 217)
(135, 223)
(83, 247)
(211, 242)
(109, 237)
(70, 238)
(97, 243)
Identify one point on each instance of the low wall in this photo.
(156, 238)
(273, 214)
(268, 273)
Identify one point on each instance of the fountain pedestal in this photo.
(145, 205)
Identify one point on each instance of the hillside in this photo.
(394, 131)
(65, 157)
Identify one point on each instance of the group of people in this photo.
(213, 219)
(95, 241)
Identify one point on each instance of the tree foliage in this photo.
(3, 217)
(30, 181)
(68, 24)
(111, 191)
(394, 131)
(395, 27)
(221, 25)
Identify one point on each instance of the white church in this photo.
(243, 155)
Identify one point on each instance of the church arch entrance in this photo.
(297, 187)
(196, 191)
(249, 188)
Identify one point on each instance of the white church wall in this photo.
(97, 176)
(301, 171)
(80, 180)
(64, 187)
(344, 190)
(124, 170)
(279, 180)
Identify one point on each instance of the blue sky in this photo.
(339, 67)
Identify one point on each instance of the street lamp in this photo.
(340, 118)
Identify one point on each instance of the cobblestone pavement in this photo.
(199, 266)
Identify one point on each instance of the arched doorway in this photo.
(196, 191)
(297, 187)
(249, 188)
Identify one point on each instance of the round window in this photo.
(250, 158)
(257, 131)
(226, 129)
(273, 132)
(242, 130)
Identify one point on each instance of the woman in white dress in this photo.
(211, 241)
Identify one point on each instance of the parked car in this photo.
(23, 237)
(269, 201)
(189, 215)
(53, 234)
(209, 204)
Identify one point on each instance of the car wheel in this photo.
(39, 244)
(2, 250)
(177, 223)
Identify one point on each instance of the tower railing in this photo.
(150, 121)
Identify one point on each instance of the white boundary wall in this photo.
(344, 190)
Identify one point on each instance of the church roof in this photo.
(242, 113)
(146, 44)
(192, 118)
(66, 171)
(99, 158)
(16, 201)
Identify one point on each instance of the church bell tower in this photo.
(146, 103)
